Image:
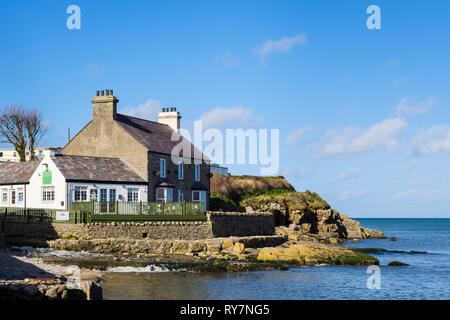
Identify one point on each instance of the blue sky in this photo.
(363, 114)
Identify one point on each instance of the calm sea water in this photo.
(426, 277)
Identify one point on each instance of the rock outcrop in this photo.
(309, 254)
(327, 223)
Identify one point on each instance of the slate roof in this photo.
(17, 172)
(81, 168)
(154, 136)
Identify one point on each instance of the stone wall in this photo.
(146, 247)
(218, 224)
(128, 230)
(226, 224)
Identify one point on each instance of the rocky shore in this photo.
(26, 278)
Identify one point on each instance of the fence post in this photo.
(140, 207)
(117, 207)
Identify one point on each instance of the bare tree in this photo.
(36, 129)
(21, 128)
(12, 129)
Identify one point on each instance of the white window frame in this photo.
(162, 167)
(134, 194)
(197, 172)
(180, 170)
(82, 190)
(48, 194)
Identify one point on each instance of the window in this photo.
(197, 172)
(164, 194)
(112, 195)
(133, 195)
(180, 195)
(41, 153)
(4, 195)
(13, 196)
(180, 171)
(103, 195)
(1, 154)
(80, 194)
(48, 194)
(199, 196)
(20, 195)
(162, 168)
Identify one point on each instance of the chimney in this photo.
(104, 107)
(171, 117)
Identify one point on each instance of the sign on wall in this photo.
(62, 215)
(47, 177)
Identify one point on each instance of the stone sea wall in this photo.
(147, 247)
(218, 224)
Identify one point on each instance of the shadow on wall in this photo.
(26, 224)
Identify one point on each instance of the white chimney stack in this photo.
(171, 117)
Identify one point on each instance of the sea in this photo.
(427, 275)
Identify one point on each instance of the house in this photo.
(113, 158)
(56, 181)
(11, 155)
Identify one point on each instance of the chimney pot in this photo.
(174, 109)
(102, 92)
(110, 91)
(98, 92)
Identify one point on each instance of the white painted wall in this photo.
(64, 191)
(121, 190)
(34, 194)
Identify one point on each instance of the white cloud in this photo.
(398, 82)
(148, 110)
(295, 135)
(294, 173)
(434, 140)
(283, 45)
(382, 135)
(412, 106)
(392, 62)
(421, 197)
(237, 115)
(423, 182)
(406, 194)
(227, 59)
(349, 174)
(408, 166)
(353, 194)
